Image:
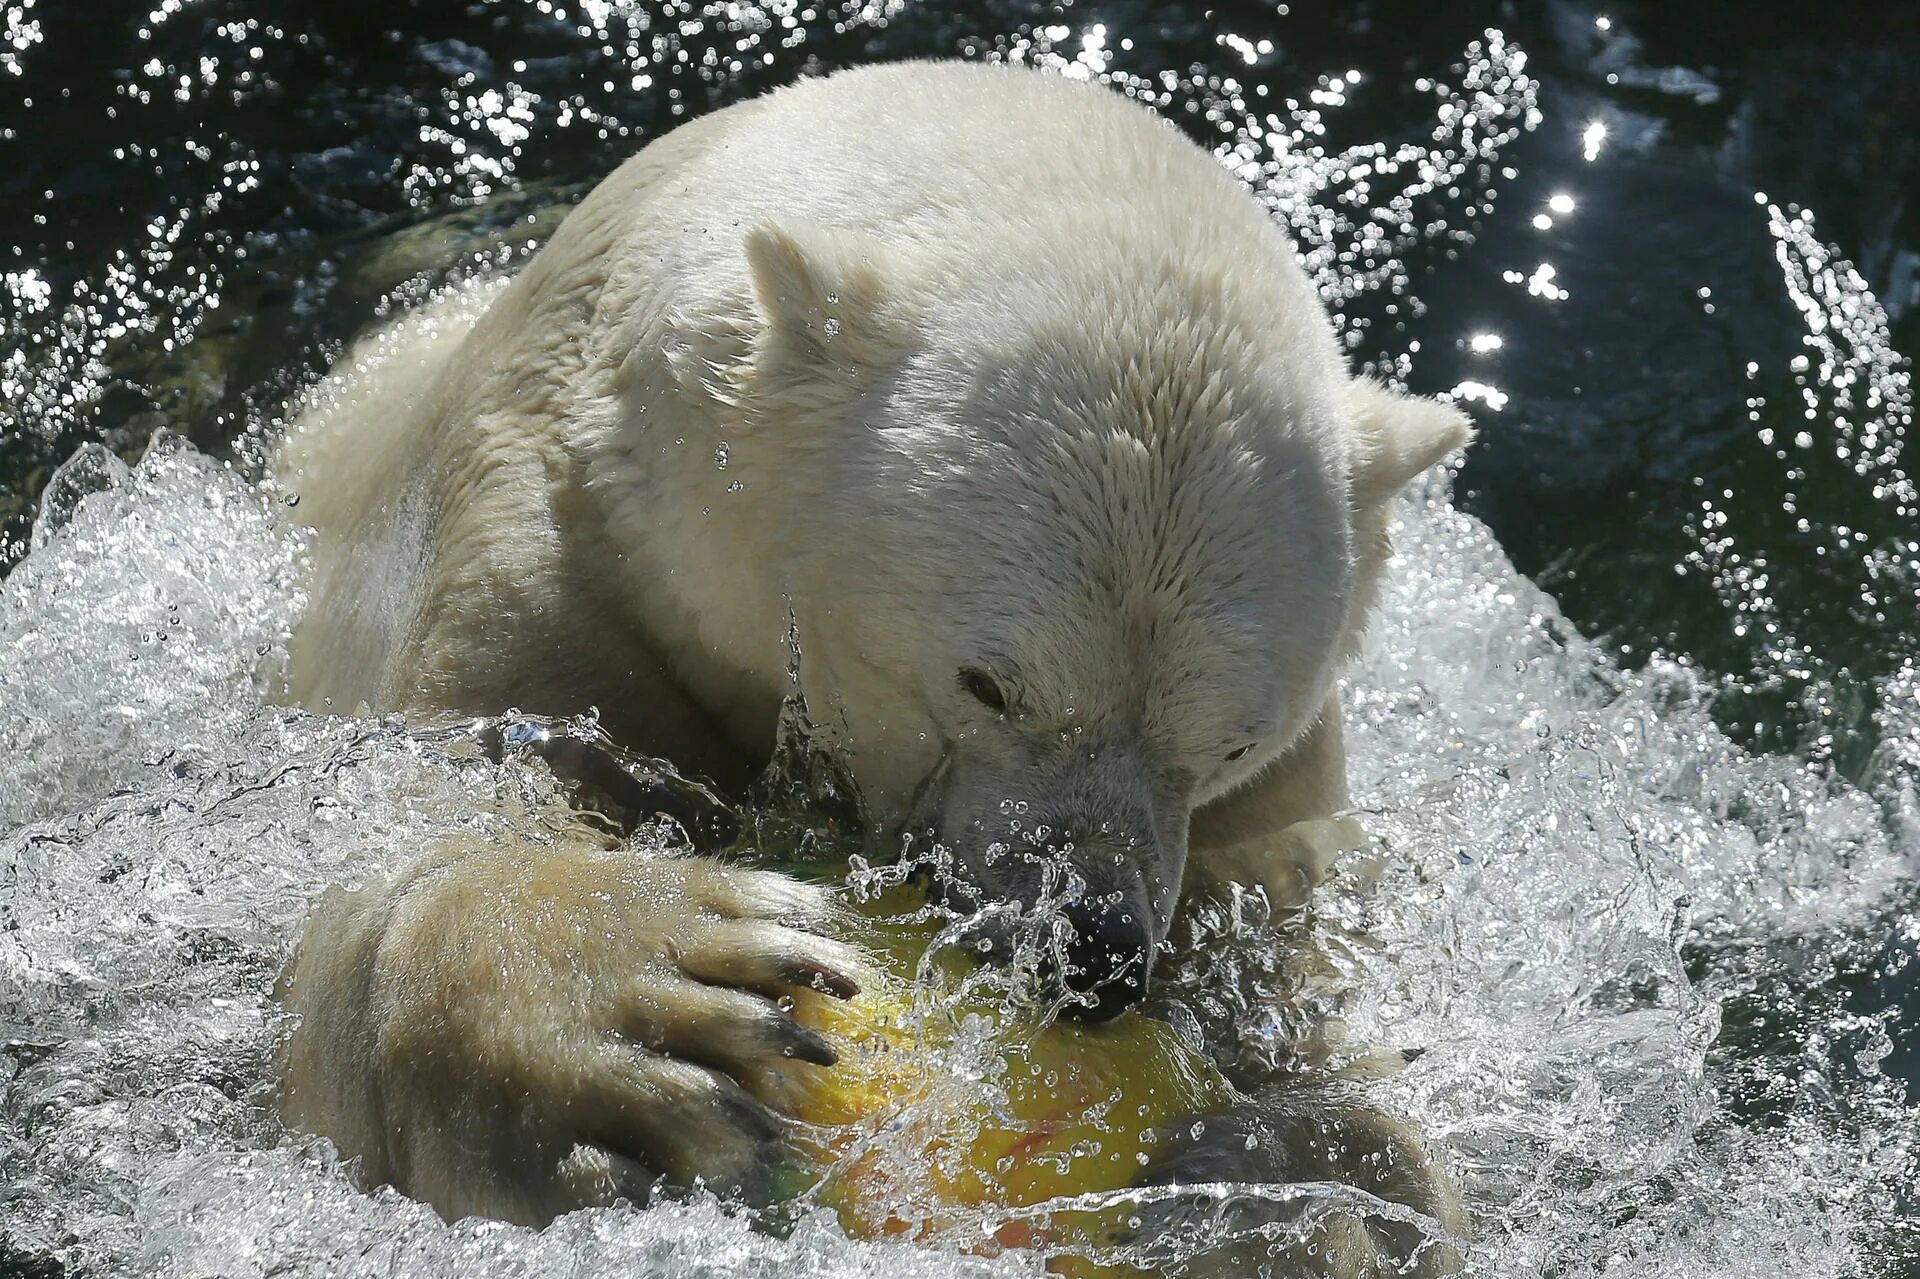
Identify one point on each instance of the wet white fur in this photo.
(957, 366)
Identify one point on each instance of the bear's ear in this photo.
(1397, 437)
(829, 294)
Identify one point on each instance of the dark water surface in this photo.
(200, 193)
(1679, 295)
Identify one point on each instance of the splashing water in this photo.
(1627, 950)
(1558, 831)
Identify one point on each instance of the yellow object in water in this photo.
(958, 1130)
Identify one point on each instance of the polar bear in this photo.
(1009, 405)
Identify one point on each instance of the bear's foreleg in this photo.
(1280, 832)
(515, 1031)
(1312, 1143)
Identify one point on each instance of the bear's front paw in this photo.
(519, 1032)
(1302, 1149)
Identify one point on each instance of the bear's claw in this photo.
(769, 958)
(721, 1028)
(681, 1122)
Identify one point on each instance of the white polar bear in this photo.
(1013, 406)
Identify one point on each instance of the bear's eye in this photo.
(981, 687)
(1239, 752)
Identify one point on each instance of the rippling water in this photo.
(1648, 907)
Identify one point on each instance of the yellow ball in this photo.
(960, 1130)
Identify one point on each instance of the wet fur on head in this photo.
(1144, 498)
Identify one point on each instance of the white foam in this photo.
(130, 639)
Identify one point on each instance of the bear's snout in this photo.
(1085, 905)
(1109, 958)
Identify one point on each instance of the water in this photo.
(1645, 900)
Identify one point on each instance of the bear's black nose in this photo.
(1108, 959)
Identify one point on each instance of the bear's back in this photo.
(965, 165)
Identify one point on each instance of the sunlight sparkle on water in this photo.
(1491, 396)
(1542, 283)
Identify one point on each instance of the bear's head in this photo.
(1076, 547)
